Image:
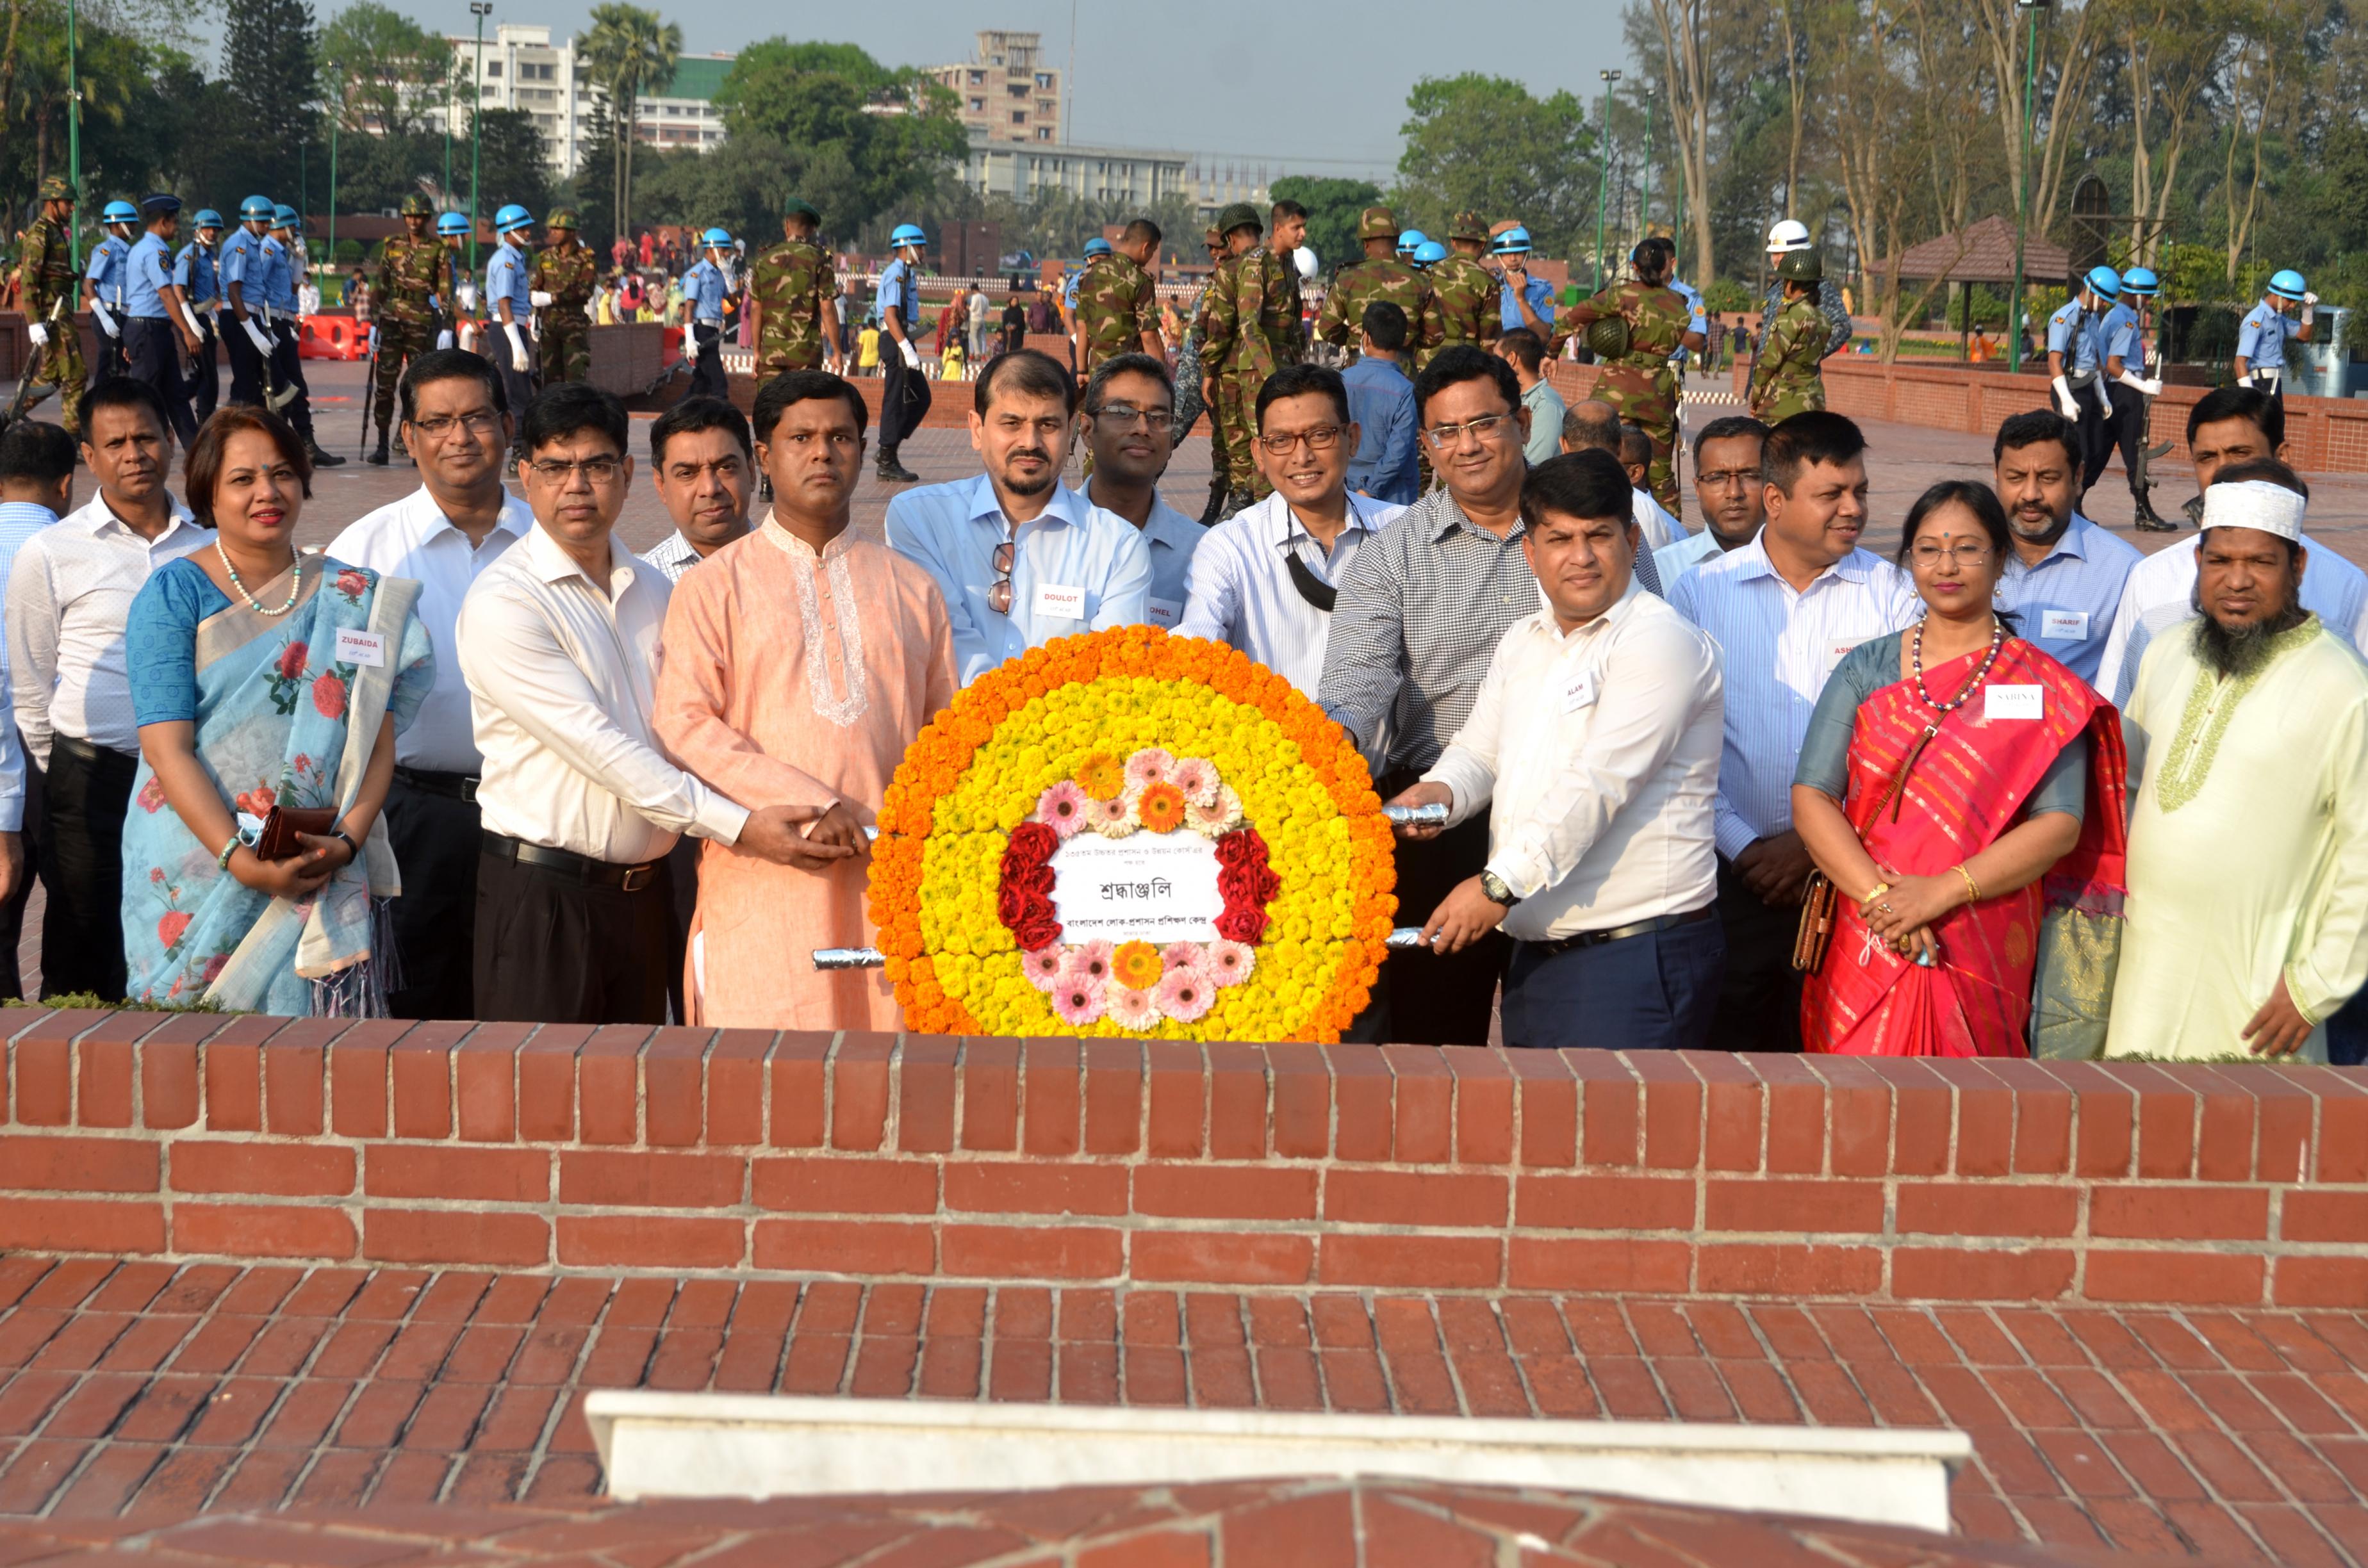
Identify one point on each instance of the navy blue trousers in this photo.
(1654, 992)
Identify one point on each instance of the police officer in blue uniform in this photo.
(1515, 242)
(452, 233)
(905, 395)
(246, 289)
(2130, 389)
(284, 250)
(198, 277)
(157, 330)
(2261, 340)
(106, 284)
(1697, 320)
(2076, 363)
(509, 301)
(704, 288)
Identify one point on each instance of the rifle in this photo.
(370, 387)
(2140, 480)
(27, 399)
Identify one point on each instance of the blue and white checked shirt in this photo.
(2064, 606)
(951, 530)
(19, 520)
(1242, 591)
(1776, 648)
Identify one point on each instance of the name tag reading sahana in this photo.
(2062, 625)
(364, 650)
(2012, 702)
(1060, 602)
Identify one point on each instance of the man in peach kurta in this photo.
(797, 665)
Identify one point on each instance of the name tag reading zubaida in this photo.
(363, 649)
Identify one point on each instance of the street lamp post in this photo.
(480, 10)
(2030, 8)
(74, 133)
(1644, 205)
(337, 114)
(1604, 174)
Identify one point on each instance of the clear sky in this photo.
(1308, 88)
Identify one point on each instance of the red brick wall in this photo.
(1231, 1165)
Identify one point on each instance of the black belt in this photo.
(566, 862)
(1621, 933)
(86, 751)
(453, 786)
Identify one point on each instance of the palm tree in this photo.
(629, 52)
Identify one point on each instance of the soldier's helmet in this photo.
(1430, 253)
(283, 217)
(1608, 336)
(511, 218)
(1467, 226)
(1377, 223)
(1240, 215)
(1514, 240)
(2288, 285)
(208, 217)
(1411, 241)
(564, 218)
(1788, 235)
(2142, 282)
(120, 212)
(908, 235)
(798, 207)
(1097, 246)
(417, 206)
(716, 239)
(256, 207)
(2104, 282)
(452, 224)
(56, 190)
(1801, 266)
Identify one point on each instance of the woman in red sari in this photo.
(1949, 768)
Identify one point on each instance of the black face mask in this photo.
(1311, 588)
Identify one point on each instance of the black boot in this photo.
(1215, 509)
(378, 455)
(1240, 500)
(2148, 520)
(891, 470)
(321, 459)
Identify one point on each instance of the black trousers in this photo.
(155, 350)
(112, 359)
(87, 790)
(1760, 995)
(903, 399)
(682, 886)
(707, 361)
(517, 386)
(2094, 427)
(205, 390)
(288, 371)
(2129, 428)
(246, 361)
(437, 841)
(1436, 1000)
(553, 949)
(12, 909)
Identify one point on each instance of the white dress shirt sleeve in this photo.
(1212, 598)
(1126, 595)
(2117, 667)
(513, 662)
(32, 635)
(11, 762)
(1468, 765)
(918, 542)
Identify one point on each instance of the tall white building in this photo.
(1006, 91)
(523, 69)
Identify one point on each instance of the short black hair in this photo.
(2032, 427)
(1819, 436)
(1583, 431)
(1452, 366)
(2266, 471)
(1031, 371)
(1286, 209)
(1140, 231)
(122, 392)
(569, 409)
(1386, 324)
(450, 365)
(1137, 364)
(1523, 345)
(35, 451)
(693, 415)
(1589, 485)
(1635, 446)
(2267, 414)
(1977, 498)
(1300, 381)
(774, 398)
(1733, 427)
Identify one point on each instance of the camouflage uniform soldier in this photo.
(560, 285)
(1463, 291)
(1787, 380)
(1247, 331)
(1190, 400)
(1380, 279)
(414, 269)
(790, 288)
(46, 283)
(1117, 300)
(1640, 382)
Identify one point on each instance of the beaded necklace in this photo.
(1898, 793)
(295, 588)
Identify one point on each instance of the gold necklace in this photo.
(294, 589)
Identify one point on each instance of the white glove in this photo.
(191, 317)
(2140, 385)
(912, 355)
(2246, 380)
(2104, 401)
(2309, 308)
(517, 347)
(2066, 403)
(444, 339)
(538, 299)
(39, 334)
(105, 322)
(254, 336)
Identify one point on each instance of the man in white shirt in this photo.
(457, 427)
(1266, 579)
(1020, 558)
(1595, 745)
(2227, 425)
(706, 473)
(1783, 609)
(1590, 425)
(558, 643)
(37, 481)
(69, 595)
(1129, 415)
(1727, 489)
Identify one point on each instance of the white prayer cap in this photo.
(2254, 503)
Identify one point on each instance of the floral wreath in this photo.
(1119, 733)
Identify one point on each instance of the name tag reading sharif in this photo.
(1152, 887)
(1064, 603)
(364, 650)
(2012, 702)
(2060, 625)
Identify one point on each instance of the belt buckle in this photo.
(468, 787)
(639, 877)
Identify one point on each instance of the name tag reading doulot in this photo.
(1151, 888)
(2012, 702)
(364, 650)
(2062, 625)
(1062, 603)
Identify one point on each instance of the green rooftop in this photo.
(696, 78)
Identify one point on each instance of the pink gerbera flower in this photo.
(1148, 766)
(1230, 964)
(1217, 818)
(1078, 1002)
(1197, 778)
(1111, 819)
(1043, 967)
(1183, 955)
(1133, 1009)
(1185, 995)
(1088, 963)
(1063, 808)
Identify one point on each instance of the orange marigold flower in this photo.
(1162, 811)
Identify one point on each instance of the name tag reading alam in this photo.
(1062, 603)
(364, 650)
(2012, 702)
(1151, 887)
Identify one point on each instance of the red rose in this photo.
(1032, 841)
(1037, 932)
(1033, 879)
(1010, 905)
(1244, 926)
(291, 660)
(169, 929)
(353, 582)
(329, 696)
(1240, 847)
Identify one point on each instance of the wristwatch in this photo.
(1494, 886)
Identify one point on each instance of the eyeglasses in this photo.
(484, 421)
(598, 470)
(1322, 439)
(1124, 417)
(1725, 477)
(1479, 429)
(999, 593)
(1958, 554)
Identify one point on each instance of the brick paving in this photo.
(126, 1388)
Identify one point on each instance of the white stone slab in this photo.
(704, 1444)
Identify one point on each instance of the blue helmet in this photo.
(1411, 240)
(257, 207)
(283, 216)
(511, 218)
(1430, 253)
(1097, 247)
(2104, 281)
(716, 239)
(451, 224)
(2288, 285)
(1514, 240)
(2142, 282)
(120, 212)
(908, 235)
(208, 217)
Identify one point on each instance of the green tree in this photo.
(1333, 207)
(629, 52)
(853, 137)
(514, 162)
(271, 80)
(389, 67)
(1484, 143)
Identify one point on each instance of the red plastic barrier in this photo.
(331, 338)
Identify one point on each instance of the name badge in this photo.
(366, 649)
(1579, 693)
(2012, 702)
(1165, 612)
(1064, 603)
(2060, 625)
(1836, 652)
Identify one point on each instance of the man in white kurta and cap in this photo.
(2247, 735)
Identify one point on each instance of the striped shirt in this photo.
(1421, 610)
(1776, 648)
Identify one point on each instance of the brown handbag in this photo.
(1818, 894)
(277, 840)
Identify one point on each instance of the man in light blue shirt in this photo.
(1020, 558)
(198, 276)
(1130, 413)
(106, 283)
(156, 338)
(2263, 337)
(1697, 322)
(2064, 582)
(1380, 408)
(1537, 291)
(703, 290)
(509, 299)
(1521, 350)
(37, 468)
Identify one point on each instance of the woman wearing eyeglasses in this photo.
(1948, 770)
(264, 684)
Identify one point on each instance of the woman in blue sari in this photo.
(263, 677)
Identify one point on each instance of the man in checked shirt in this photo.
(1418, 617)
